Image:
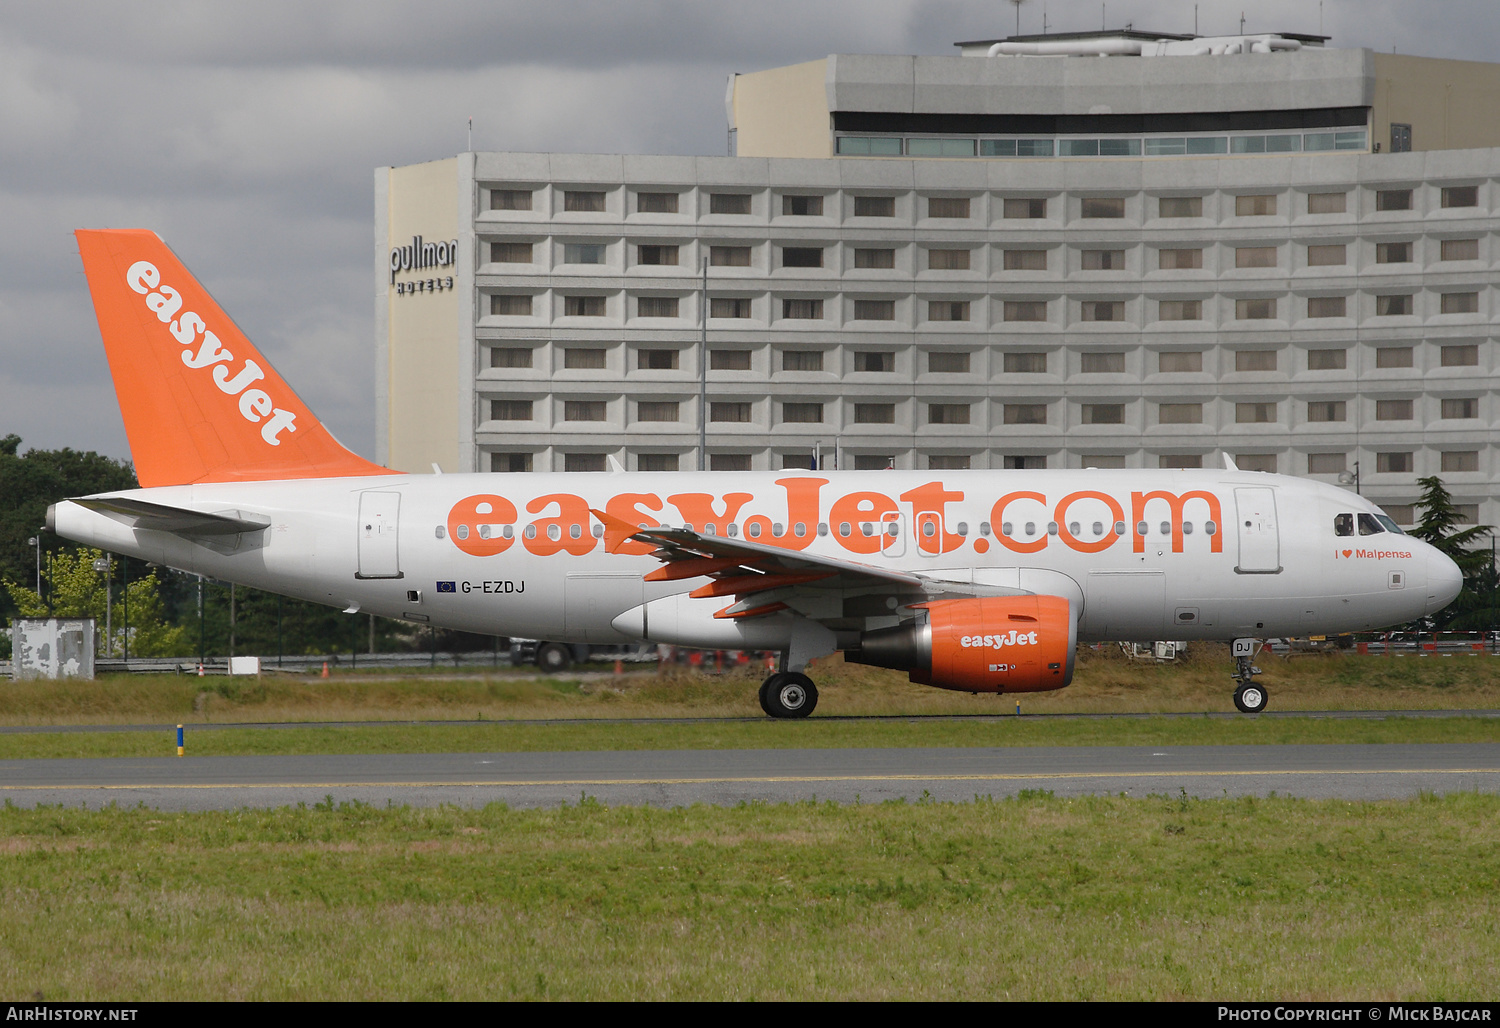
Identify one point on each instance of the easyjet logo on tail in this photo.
(255, 405)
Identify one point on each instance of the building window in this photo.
(1400, 143)
(510, 410)
(1104, 414)
(802, 413)
(1255, 257)
(583, 462)
(656, 203)
(729, 256)
(1265, 462)
(1102, 207)
(583, 253)
(729, 203)
(1326, 410)
(1460, 250)
(1179, 461)
(1327, 203)
(948, 462)
(1024, 208)
(1254, 413)
(802, 206)
(1102, 260)
(656, 410)
(1460, 196)
(874, 462)
(583, 306)
(656, 255)
(735, 413)
(1109, 363)
(578, 358)
(511, 253)
(882, 259)
(1179, 260)
(874, 310)
(1020, 362)
(1394, 463)
(801, 360)
(519, 463)
(1392, 410)
(874, 413)
(1392, 253)
(1101, 460)
(729, 360)
(1457, 460)
(1255, 206)
(1179, 413)
(1179, 310)
(1329, 254)
(510, 199)
(1180, 207)
(1393, 357)
(874, 206)
(802, 310)
(800, 461)
(1468, 513)
(510, 305)
(1457, 408)
(1025, 260)
(1025, 310)
(801, 256)
(947, 310)
(510, 357)
(948, 260)
(1255, 310)
(1016, 462)
(948, 362)
(947, 206)
(656, 462)
(1465, 355)
(585, 410)
(1327, 360)
(585, 201)
(1103, 310)
(1460, 303)
(947, 413)
(1393, 199)
(1326, 463)
(1025, 414)
(656, 360)
(729, 307)
(1179, 362)
(656, 307)
(729, 462)
(1401, 513)
(876, 361)
(1326, 306)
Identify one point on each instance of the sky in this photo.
(247, 134)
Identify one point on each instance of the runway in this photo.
(727, 777)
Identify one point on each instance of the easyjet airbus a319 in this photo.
(984, 581)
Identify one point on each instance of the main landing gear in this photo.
(788, 694)
(1248, 697)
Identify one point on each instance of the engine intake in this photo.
(989, 644)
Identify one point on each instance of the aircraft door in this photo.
(1260, 539)
(379, 513)
(893, 534)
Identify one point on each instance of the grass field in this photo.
(1105, 682)
(1032, 898)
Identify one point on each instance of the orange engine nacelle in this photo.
(989, 644)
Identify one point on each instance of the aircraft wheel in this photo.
(554, 658)
(790, 695)
(1250, 699)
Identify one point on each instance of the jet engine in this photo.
(988, 644)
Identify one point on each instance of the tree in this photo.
(76, 590)
(1442, 527)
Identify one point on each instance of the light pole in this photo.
(36, 541)
(703, 371)
(102, 566)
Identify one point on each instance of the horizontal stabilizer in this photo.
(159, 517)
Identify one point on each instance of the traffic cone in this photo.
(200, 670)
(619, 667)
(325, 669)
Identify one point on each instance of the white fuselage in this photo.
(1133, 550)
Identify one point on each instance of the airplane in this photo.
(982, 581)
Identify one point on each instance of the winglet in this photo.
(616, 532)
(199, 401)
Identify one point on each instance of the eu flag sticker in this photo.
(446, 587)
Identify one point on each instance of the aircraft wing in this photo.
(178, 520)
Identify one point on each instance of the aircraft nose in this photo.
(1444, 581)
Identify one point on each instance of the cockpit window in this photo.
(1343, 524)
(1390, 526)
(1369, 526)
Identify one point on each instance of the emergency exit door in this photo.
(1260, 539)
(379, 513)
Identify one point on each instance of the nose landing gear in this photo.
(1249, 698)
(788, 694)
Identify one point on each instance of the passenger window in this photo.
(1368, 525)
(1343, 524)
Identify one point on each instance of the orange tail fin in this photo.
(199, 401)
